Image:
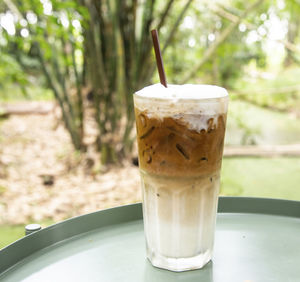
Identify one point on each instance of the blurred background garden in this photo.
(68, 70)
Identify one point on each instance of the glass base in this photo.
(179, 264)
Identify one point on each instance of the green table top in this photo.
(256, 240)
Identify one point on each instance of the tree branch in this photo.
(224, 35)
(233, 18)
(290, 46)
(165, 14)
(13, 8)
(229, 16)
(175, 26)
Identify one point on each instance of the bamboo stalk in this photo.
(78, 92)
(68, 122)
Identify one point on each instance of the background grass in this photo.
(11, 233)
(261, 177)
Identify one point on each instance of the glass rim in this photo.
(181, 100)
(192, 92)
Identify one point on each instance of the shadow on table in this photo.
(152, 273)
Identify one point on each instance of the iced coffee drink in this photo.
(180, 135)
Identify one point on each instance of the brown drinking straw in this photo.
(159, 62)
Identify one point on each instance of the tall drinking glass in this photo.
(180, 136)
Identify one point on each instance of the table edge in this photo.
(24, 247)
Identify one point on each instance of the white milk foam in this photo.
(185, 91)
(193, 104)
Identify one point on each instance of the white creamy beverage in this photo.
(180, 133)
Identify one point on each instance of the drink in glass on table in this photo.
(180, 135)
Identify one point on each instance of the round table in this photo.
(256, 240)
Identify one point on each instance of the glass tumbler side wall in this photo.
(180, 176)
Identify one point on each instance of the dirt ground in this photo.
(41, 177)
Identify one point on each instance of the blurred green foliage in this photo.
(258, 60)
(11, 73)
